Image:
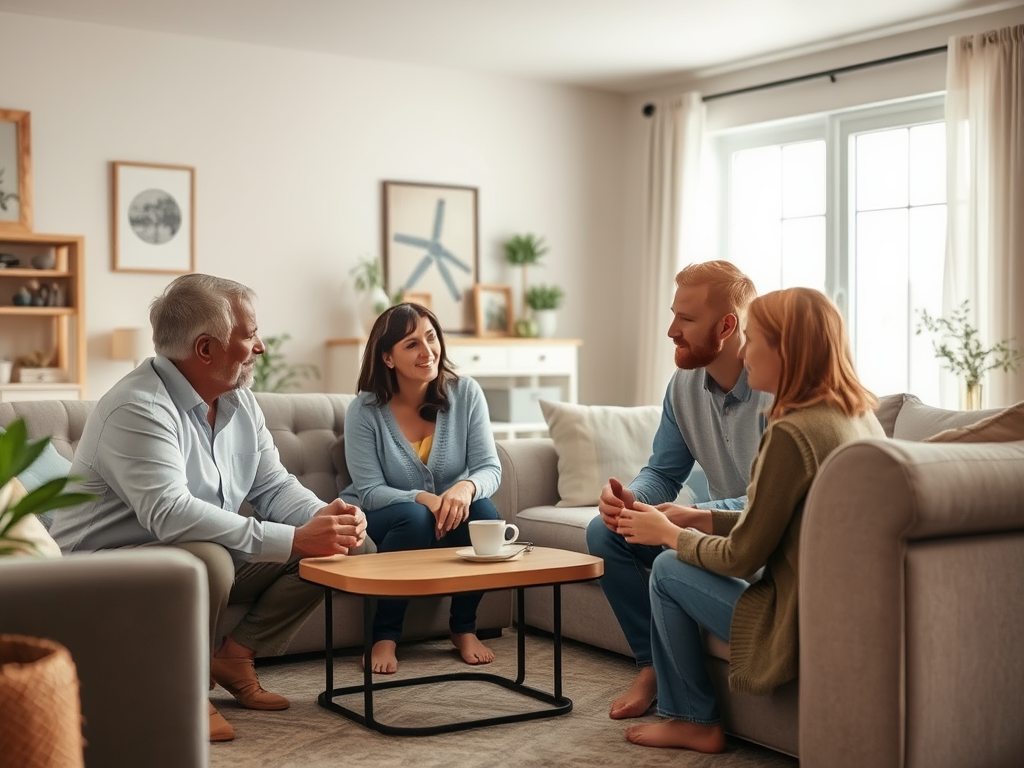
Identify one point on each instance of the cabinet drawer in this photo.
(471, 359)
(540, 359)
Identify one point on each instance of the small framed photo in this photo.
(15, 170)
(423, 299)
(153, 216)
(430, 246)
(493, 310)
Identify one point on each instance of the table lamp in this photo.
(130, 344)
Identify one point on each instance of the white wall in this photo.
(897, 81)
(290, 149)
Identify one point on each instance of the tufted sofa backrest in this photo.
(305, 427)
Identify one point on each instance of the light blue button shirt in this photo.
(701, 423)
(162, 474)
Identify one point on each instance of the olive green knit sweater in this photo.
(763, 638)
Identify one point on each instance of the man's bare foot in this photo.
(472, 650)
(638, 699)
(679, 734)
(383, 658)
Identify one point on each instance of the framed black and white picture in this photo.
(15, 170)
(430, 247)
(153, 218)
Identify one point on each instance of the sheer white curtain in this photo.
(671, 217)
(985, 193)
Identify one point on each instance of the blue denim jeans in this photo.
(408, 525)
(626, 574)
(685, 598)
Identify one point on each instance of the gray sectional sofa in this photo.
(910, 598)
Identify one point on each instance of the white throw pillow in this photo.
(595, 442)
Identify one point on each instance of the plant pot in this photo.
(547, 322)
(527, 328)
(970, 398)
(40, 713)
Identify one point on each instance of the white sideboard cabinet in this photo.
(493, 361)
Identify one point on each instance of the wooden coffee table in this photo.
(441, 572)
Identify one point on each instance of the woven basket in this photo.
(40, 715)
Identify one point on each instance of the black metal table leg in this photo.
(557, 703)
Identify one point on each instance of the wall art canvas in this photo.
(430, 247)
(153, 218)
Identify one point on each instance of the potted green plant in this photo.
(543, 301)
(273, 374)
(368, 280)
(964, 354)
(525, 251)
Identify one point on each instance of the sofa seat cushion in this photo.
(558, 527)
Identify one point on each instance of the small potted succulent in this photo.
(544, 301)
(368, 279)
(525, 251)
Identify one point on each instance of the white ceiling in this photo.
(618, 45)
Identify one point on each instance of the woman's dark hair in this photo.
(393, 325)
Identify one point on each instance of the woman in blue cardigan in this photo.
(419, 447)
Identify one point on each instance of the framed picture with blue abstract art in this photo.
(153, 216)
(430, 247)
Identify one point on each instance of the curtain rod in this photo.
(648, 109)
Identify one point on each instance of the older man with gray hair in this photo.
(172, 451)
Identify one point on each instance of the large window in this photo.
(851, 203)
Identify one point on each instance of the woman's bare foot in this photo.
(472, 650)
(383, 658)
(679, 734)
(638, 699)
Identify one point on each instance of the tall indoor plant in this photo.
(963, 353)
(525, 251)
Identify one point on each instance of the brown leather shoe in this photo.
(238, 676)
(220, 729)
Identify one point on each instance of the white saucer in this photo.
(504, 554)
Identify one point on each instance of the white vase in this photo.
(371, 305)
(547, 322)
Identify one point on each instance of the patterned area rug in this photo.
(308, 736)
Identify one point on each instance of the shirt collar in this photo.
(740, 393)
(184, 395)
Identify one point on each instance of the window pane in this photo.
(755, 245)
(927, 257)
(803, 253)
(928, 164)
(882, 167)
(881, 300)
(803, 179)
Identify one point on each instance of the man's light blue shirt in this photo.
(162, 474)
(702, 423)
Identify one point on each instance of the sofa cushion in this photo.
(916, 421)
(29, 528)
(559, 527)
(596, 442)
(1001, 427)
(49, 466)
(340, 463)
(888, 409)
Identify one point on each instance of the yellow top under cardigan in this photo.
(763, 635)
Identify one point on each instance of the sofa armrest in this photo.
(529, 476)
(907, 557)
(136, 624)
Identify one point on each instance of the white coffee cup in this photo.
(489, 536)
